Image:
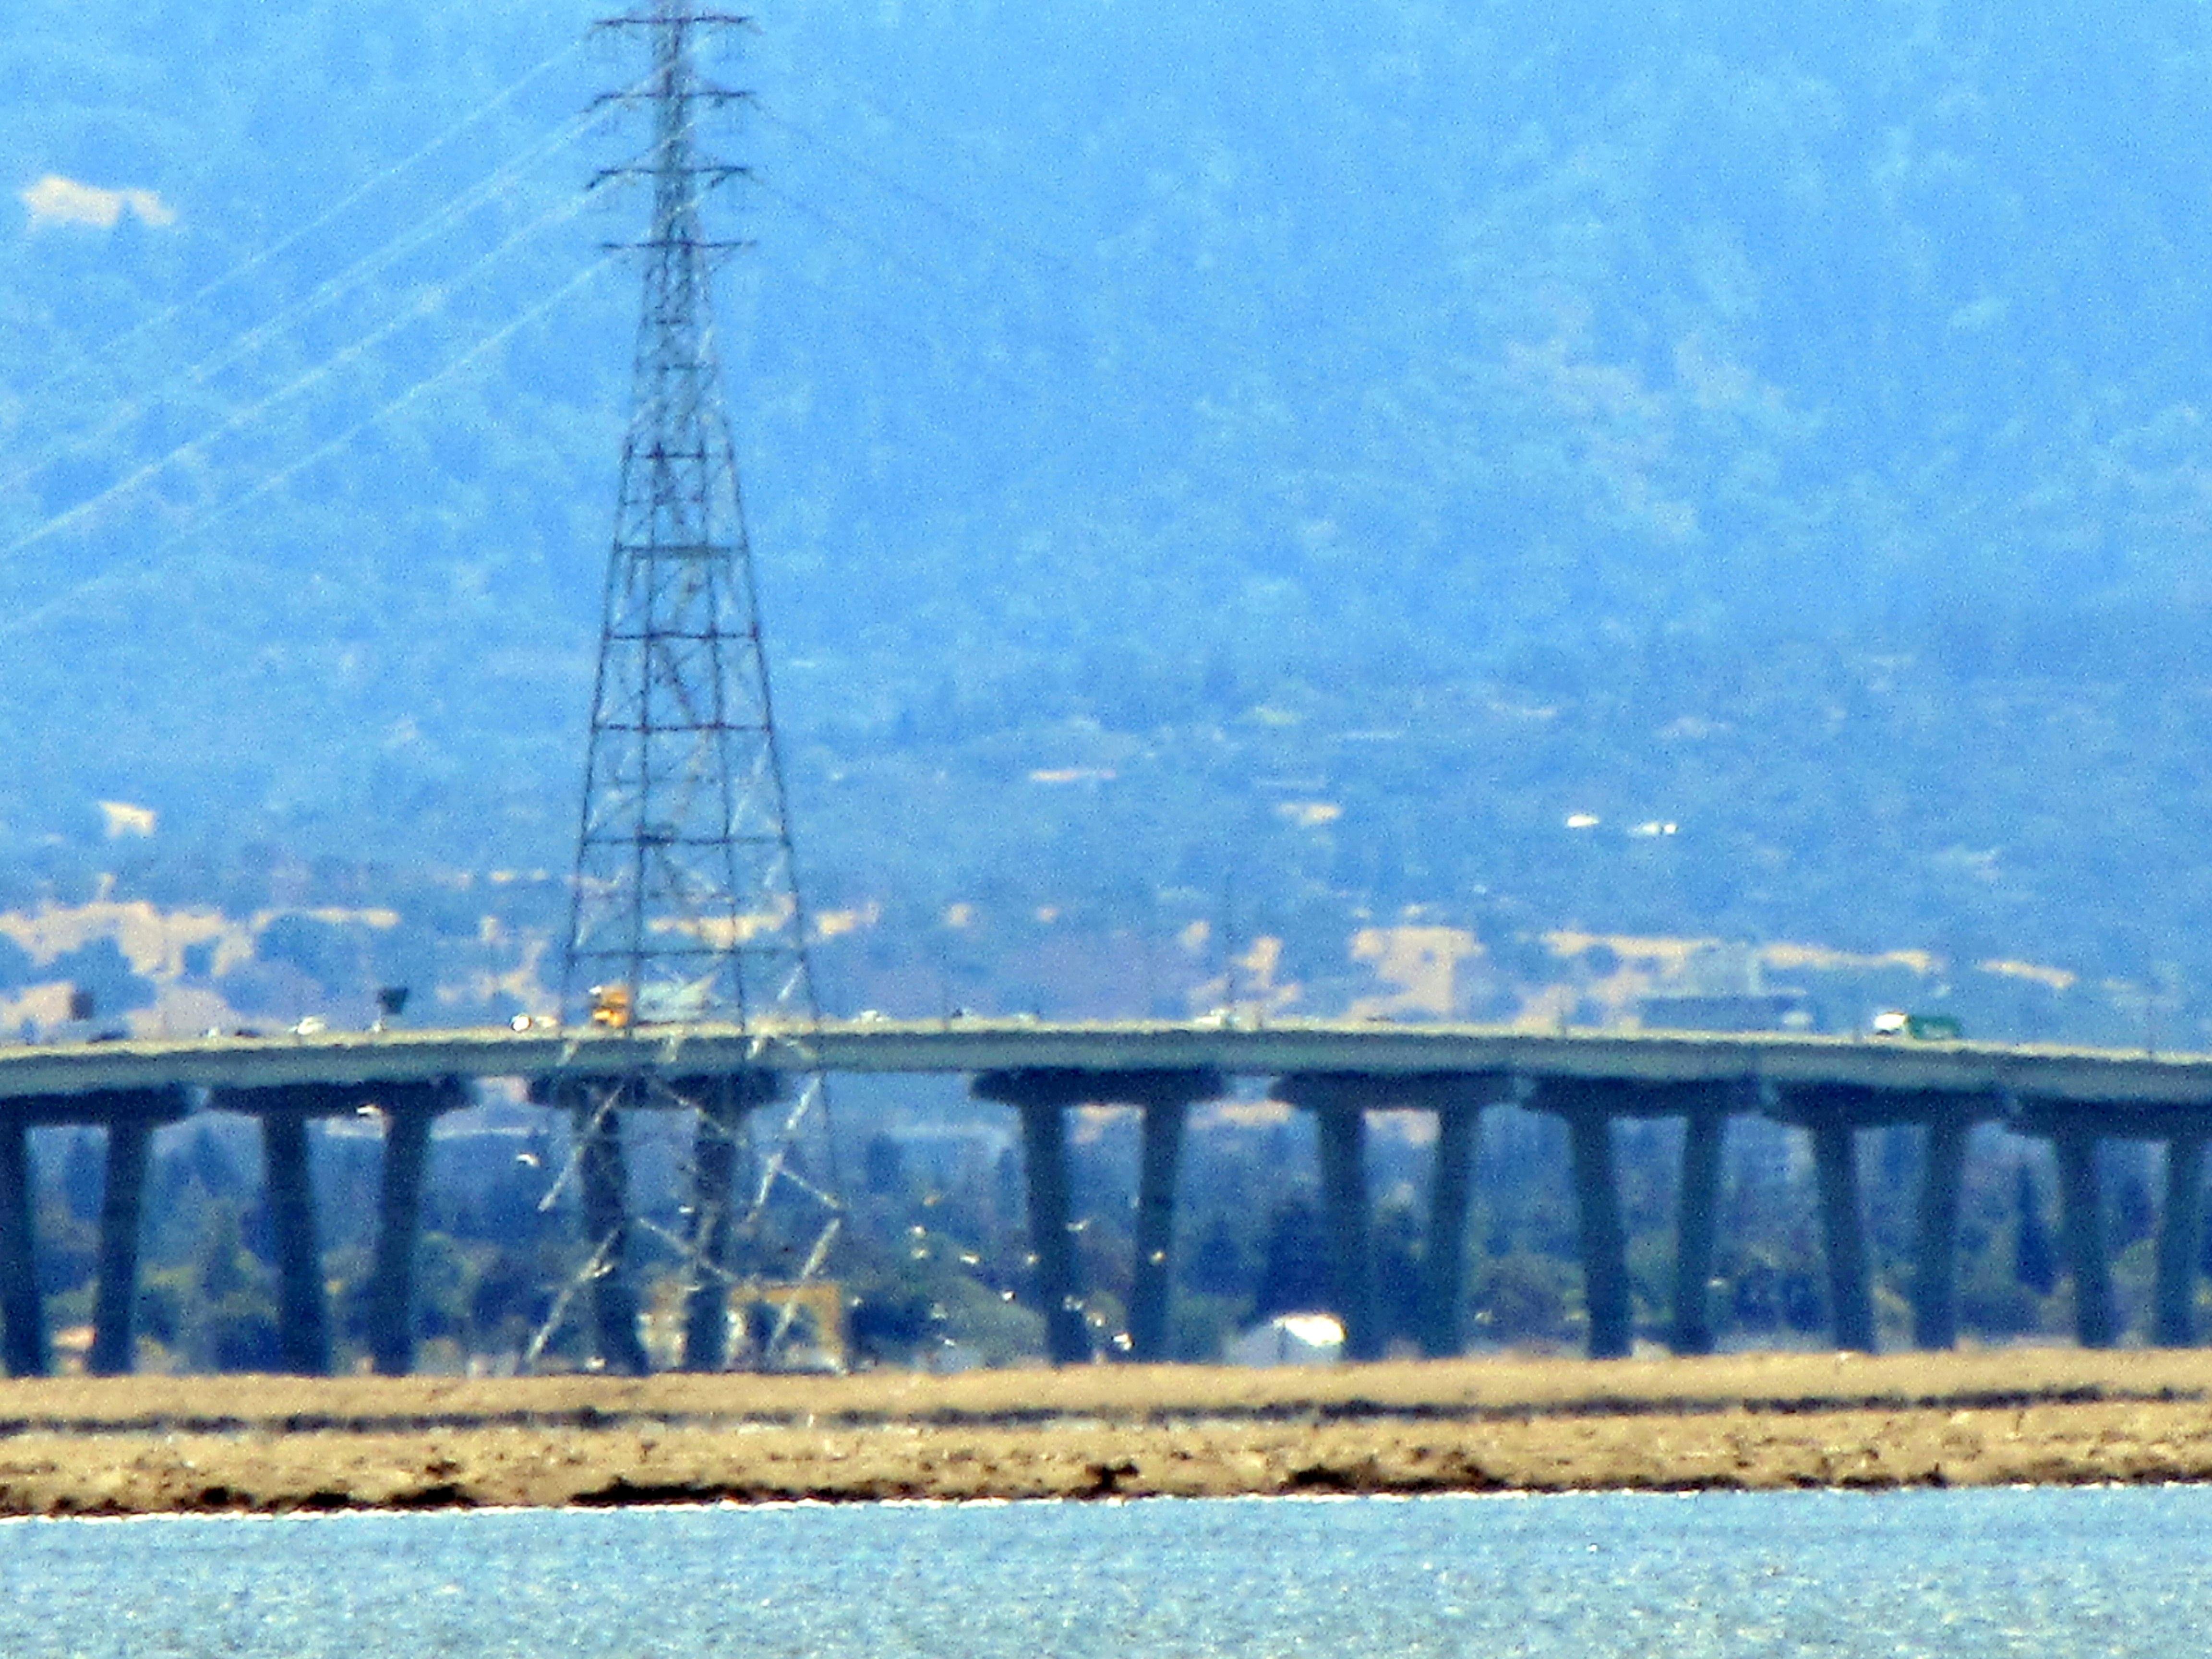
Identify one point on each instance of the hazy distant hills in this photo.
(1275, 466)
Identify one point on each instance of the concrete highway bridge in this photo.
(1339, 1072)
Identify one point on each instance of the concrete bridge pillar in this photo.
(1044, 1154)
(23, 1313)
(131, 1119)
(1444, 1258)
(115, 1293)
(1164, 1098)
(2081, 1223)
(1936, 1252)
(1589, 1107)
(1835, 1113)
(713, 1181)
(1341, 1135)
(287, 1112)
(1458, 1099)
(707, 1310)
(1043, 1097)
(410, 1111)
(1697, 1229)
(595, 1105)
(1339, 1104)
(1604, 1239)
(722, 1104)
(399, 1219)
(1160, 1156)
(2077, 1126)
(1587, 1110)
(2180, 1237)
(1843, 1232)
(303, 1331)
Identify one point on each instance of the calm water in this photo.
(2049, 1573)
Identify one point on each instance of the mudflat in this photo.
(115, 1446)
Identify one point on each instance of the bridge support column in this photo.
(1835, 1113)
(399, 1226)
(1604, 1239)
(2180, 1236)
(1935, 1258)
(723, 1103)
(603, 1187)
(1443, 1262)
(115, 1293)
(1044, 1161)
(1589, 1107)
(2081, 1201)
(285, 1112)
(1342, 1132)
(303, 1335)
(22, 1312)
(1697, 1227)
(1152, 1284)
(1041, 1096)
(1843, 1228)
(1340, 1103)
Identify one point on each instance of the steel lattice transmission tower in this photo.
(685, 908)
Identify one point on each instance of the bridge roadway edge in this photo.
(2130, 1078)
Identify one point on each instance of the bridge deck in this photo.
(2121, 1078)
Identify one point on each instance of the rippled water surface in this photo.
(2045, 1572)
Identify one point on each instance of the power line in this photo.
(1066, 339)
(1168, 298)
(322, 371)
(200, 521)
(247, 344)
(329, 216)
(158, 557)
(966, 220)
(1225, 344)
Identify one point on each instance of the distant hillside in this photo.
(1348, 447)
(470, 951)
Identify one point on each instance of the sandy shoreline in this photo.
(1754, 1422)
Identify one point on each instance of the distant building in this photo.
(1307, 1338)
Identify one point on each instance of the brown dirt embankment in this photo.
(148, 1445)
